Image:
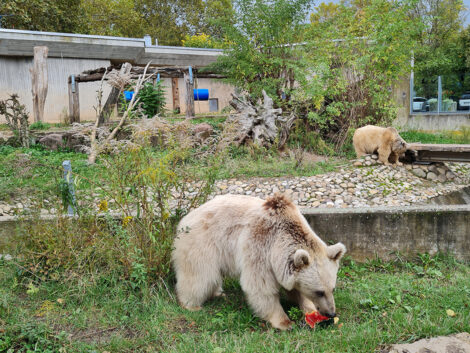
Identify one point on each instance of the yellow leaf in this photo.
(450, 312)
(60, 301)
(336, 320)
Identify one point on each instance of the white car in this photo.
(464, 102)
(420, 104)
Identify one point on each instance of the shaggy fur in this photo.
(384, 141)
(268, 245)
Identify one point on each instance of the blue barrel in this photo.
(128, 95)
(201, 94)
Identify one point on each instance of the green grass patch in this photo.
(461, 136)
(378, 303)
(36, 172)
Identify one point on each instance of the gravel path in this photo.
(362, 183)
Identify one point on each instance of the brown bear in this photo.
(268, 245)
(384, 141)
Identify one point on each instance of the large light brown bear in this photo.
(384, 141)
(268, 245)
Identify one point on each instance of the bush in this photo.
(152, 99)
(149, 189)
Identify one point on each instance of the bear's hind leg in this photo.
(196, 287)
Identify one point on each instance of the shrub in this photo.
(152, 99)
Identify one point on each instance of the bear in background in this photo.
(268, 245)
(384, 141)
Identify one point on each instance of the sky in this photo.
(467, 5)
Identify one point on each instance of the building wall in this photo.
(16, 78)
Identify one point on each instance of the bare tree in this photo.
(97, 146)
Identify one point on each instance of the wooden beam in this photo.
(74, 101)
(175, 92)
(39, 82)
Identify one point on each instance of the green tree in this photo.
(263, 51)
(357, 53)
(114, 18)
(43, 15)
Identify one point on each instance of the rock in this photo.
(419, 172)
(442, 178)
(357, 164)
(458, 343)
(52, 141)
(431, 176)
(202, 131)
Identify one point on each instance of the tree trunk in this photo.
(39, 82)
(189, 96)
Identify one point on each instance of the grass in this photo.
(461, 136)
(36, 171)
(378, 302)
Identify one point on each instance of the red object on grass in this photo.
(314, 317)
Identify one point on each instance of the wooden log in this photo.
(39, 82)
(175, 91)
(74, 102)
(190, 113)
(113, 97)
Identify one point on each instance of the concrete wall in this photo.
(371, 232)
(434, 122)
(16, 78)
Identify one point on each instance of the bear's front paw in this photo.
(283, 325)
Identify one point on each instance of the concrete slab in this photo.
(459, 343)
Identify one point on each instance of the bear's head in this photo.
(399, 146)
(316, 276)
(301, 260)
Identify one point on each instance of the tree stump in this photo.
(39, 82)
(259, 123)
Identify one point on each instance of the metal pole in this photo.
(68, 177)
(412, 84)
(439, 94)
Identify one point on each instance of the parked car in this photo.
(420, 104)
(464, 102)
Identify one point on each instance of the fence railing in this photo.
(449, 94)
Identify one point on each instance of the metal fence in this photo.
(449, 94)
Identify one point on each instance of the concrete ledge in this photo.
(370, 232)
(380, 231)
(435, 122)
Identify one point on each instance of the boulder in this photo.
(52, 141)
(459, 343)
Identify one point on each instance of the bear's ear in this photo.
(336, 252)
(301, 258)
(277, 202)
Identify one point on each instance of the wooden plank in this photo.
(175, 92)
(439, 147)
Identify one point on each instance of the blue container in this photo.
(201, 94)
(128, 95)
